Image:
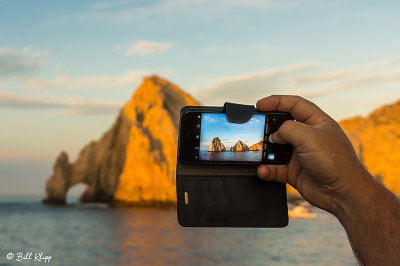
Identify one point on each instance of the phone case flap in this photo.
(238, 113)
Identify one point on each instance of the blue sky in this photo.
(216, 125)
(66, 67)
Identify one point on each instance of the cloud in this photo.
(246, 88)
(69, 106)
(110, 4)
(118, 48)
(132, 77)
(167, 11)
(144, 47)
(20, 63)
(309, 80)
(208, 119)
(172, 4)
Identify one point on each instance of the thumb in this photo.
(293, 132)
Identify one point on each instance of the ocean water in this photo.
(251, 156)
(98, 235)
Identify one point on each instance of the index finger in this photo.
(301, 109)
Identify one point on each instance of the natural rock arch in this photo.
(134, 161)
(75, 192)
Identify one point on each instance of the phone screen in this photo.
(221, 140)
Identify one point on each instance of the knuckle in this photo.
(298, 98)
(287, 125)
(272, 174)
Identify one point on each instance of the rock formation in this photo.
(240, 146)
(257, 147)
(134, 161)
(216, 145)
(376, 139)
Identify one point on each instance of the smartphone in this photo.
(206, 137)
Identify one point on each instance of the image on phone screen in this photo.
(221, 140)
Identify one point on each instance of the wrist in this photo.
(358, 196)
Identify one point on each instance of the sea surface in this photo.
(98, 235)
(251, 156)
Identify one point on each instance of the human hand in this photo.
(324, 165)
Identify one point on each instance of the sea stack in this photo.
(257, 147)
(134, 162)
(216, 145)
(240, 146)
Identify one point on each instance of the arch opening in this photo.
(74, 193)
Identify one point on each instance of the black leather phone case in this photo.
(218, 195)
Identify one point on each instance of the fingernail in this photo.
(262, 171)
(270, 139)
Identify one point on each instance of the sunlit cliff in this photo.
(376, 139)
(134, 162)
